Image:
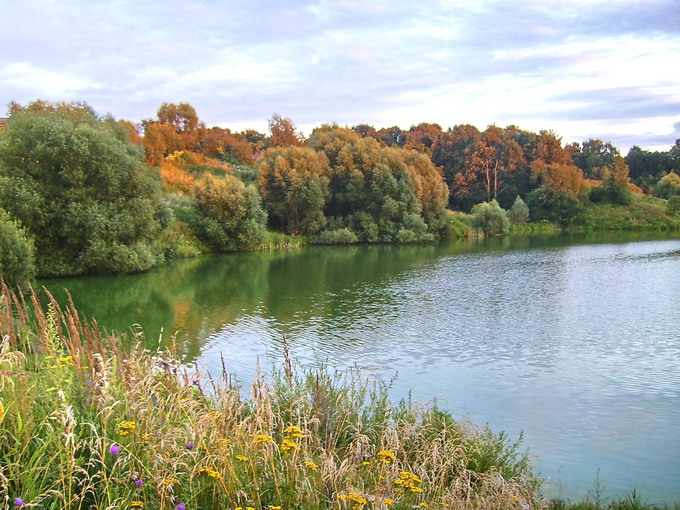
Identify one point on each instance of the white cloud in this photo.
(43, 82)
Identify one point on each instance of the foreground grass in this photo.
(88, 422)
(95, 421)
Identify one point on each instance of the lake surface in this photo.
(573, 340)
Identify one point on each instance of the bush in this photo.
(668, 186)
(562, 207)
(519, 212)
(82, 191)
(490, 218)
(339, 236)
(17, 253)
(229, 216)
(673, 205)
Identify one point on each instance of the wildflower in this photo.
(273, 507)
(114, 449)
(242, 458)
(137, 504)
(365, 463)
(389, 501)
(126, 427)
(139, 482)
(189, 446)
(263, 439)
(170, 481)
(18, 502)
(210, 472)
(288, 445)
(311, 466)
(357, 498)
(181, 506)
(145, 437)
(424, 505)
(2, 410)
(386, 456)
(293, 432)
(66, 359)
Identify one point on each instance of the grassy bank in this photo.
(643, 213)
(90, 422)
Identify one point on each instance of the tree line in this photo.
(83, 193)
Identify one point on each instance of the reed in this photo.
(91, 420)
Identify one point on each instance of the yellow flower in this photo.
(365, 463)
(210, 472)
(137, 504)
(126, 427)
(389, 502)
(170, 481)
(145, 437)
(407, 475)
(272, 507)
(293, 431)
(288, 445)
(386, 456)
(242, 458)
(424, 505)
(67, 359)
(263, 439)
(357, 498)
(516, 499)
(311, 466)
(2, 410)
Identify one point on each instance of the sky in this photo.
(582, 68)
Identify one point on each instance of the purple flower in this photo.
(180, 507)
(139, 482)
(18, 502)
(114, 449)
(190, 446)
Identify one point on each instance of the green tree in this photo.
(490, 218)
(593, 155)
(673, 205)
(81, 190)
(668, 186)
(229, 215)
(17, 253)
(519, 212)
(294, 186)
(554, 204)
(615, 182)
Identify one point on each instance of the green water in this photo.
(574, 340)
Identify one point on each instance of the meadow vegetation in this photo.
(89, 420)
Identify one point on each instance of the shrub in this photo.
(668, 186)
(229, 216)
(339, 236)
(490, 218)
(673, 205)
(81, 190)
(519, 212)
(17, 253)
(562, 207)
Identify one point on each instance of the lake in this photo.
(574, 340)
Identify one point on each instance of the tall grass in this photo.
(91, 420)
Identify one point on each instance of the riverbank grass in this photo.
(91, 420)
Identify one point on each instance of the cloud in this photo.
(580, 65)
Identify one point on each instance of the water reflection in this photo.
(572, 339)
